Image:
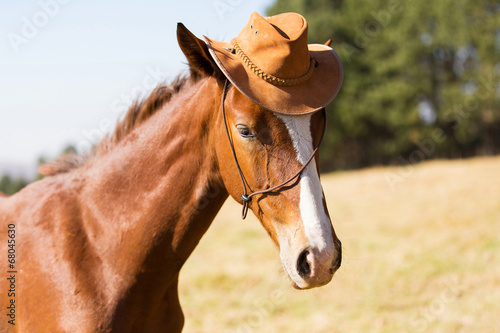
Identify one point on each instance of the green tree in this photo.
(4, 183)
(10, 186)
(420, 78)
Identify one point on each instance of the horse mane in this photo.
(138, 113)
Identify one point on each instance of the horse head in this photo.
(259, 148)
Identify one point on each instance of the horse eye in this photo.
(244, 131)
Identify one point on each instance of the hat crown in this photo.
(277, 44)
(271, 64)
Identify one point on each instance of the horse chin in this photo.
(296, 286)
(303, 284)
(307, 286)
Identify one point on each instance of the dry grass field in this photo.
(421, 254)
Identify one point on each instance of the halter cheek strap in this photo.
(248, 197)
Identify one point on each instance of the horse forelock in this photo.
(137, 113)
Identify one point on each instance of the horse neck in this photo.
(152, 197)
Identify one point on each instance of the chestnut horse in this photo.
(100, 240)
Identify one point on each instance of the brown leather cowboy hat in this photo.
(271, 63)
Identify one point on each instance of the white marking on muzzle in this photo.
(317, 225)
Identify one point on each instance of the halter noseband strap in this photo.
(248, 197)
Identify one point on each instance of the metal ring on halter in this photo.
(246, 198)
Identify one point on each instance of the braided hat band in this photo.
(277, 81)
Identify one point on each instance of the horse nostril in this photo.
(303, 266)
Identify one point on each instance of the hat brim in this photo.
(305, 98)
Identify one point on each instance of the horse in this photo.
(100, 240)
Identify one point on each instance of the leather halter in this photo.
(248, 197)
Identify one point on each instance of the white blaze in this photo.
(316, 223)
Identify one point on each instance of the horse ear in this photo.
(196, 52)
(328, 42)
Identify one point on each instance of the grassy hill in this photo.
(421, 254)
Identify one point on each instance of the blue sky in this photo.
(69, 68)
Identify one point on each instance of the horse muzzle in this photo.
(314, 267)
